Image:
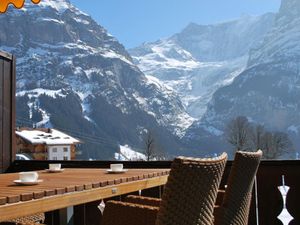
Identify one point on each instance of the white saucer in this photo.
(27, 182)
(117, 171)
(54, 171)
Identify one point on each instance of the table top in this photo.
(71, 187)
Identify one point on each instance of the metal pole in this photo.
(256, 201)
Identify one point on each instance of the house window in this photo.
(54, 149)
(65, 149)
(66, 158)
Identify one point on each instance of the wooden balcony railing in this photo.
(266, 205)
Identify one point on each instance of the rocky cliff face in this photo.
(282, 42)
(267, 92)
(74, 76)
(224, 41)
(202, 58)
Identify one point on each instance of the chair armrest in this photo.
(123, 213)
(156, 201)
(143, 200)
(220, 197)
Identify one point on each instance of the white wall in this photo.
(61, 152)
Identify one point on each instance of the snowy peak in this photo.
(210, 43)
(224, 41)
(282, 41)
(202, 58)
(72, 74)
(57, 25)
(58, 5)
(267, 91)
(163, 54)
(290, 8)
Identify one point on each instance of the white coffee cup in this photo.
(28, 176)
(116, 167)
(54, 166)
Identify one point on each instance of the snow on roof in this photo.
(54, 137)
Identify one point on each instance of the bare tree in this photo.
(149, 145)
(238, 133)
(153, 149)
(257, 134)
(275, 144)
(246, 136)
(159, 152)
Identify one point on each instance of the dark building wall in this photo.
(7, 110)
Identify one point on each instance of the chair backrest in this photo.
(190, 192)
(237, 198)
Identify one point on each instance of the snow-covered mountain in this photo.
(73, 75)
(282, 42)
(268, 91)
(202, 58)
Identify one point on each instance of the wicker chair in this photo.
(37, 219)
(188, 199)
(228, 210)
(235, 206)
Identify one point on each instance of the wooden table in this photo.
(71, 187)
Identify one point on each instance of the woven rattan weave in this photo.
(36, 219)
(237, 198)
(136, 199)
(188, 199)
(190, 193)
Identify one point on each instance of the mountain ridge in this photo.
(72, 74)
(202, 58)
(267, 91)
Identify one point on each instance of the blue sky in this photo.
(133, 22)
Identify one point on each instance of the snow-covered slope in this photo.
(268, 91)
(72, 74)
(283, 40)
(224, 41)
(202, 58)
(128, 154)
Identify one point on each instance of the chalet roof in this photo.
(46, 136)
